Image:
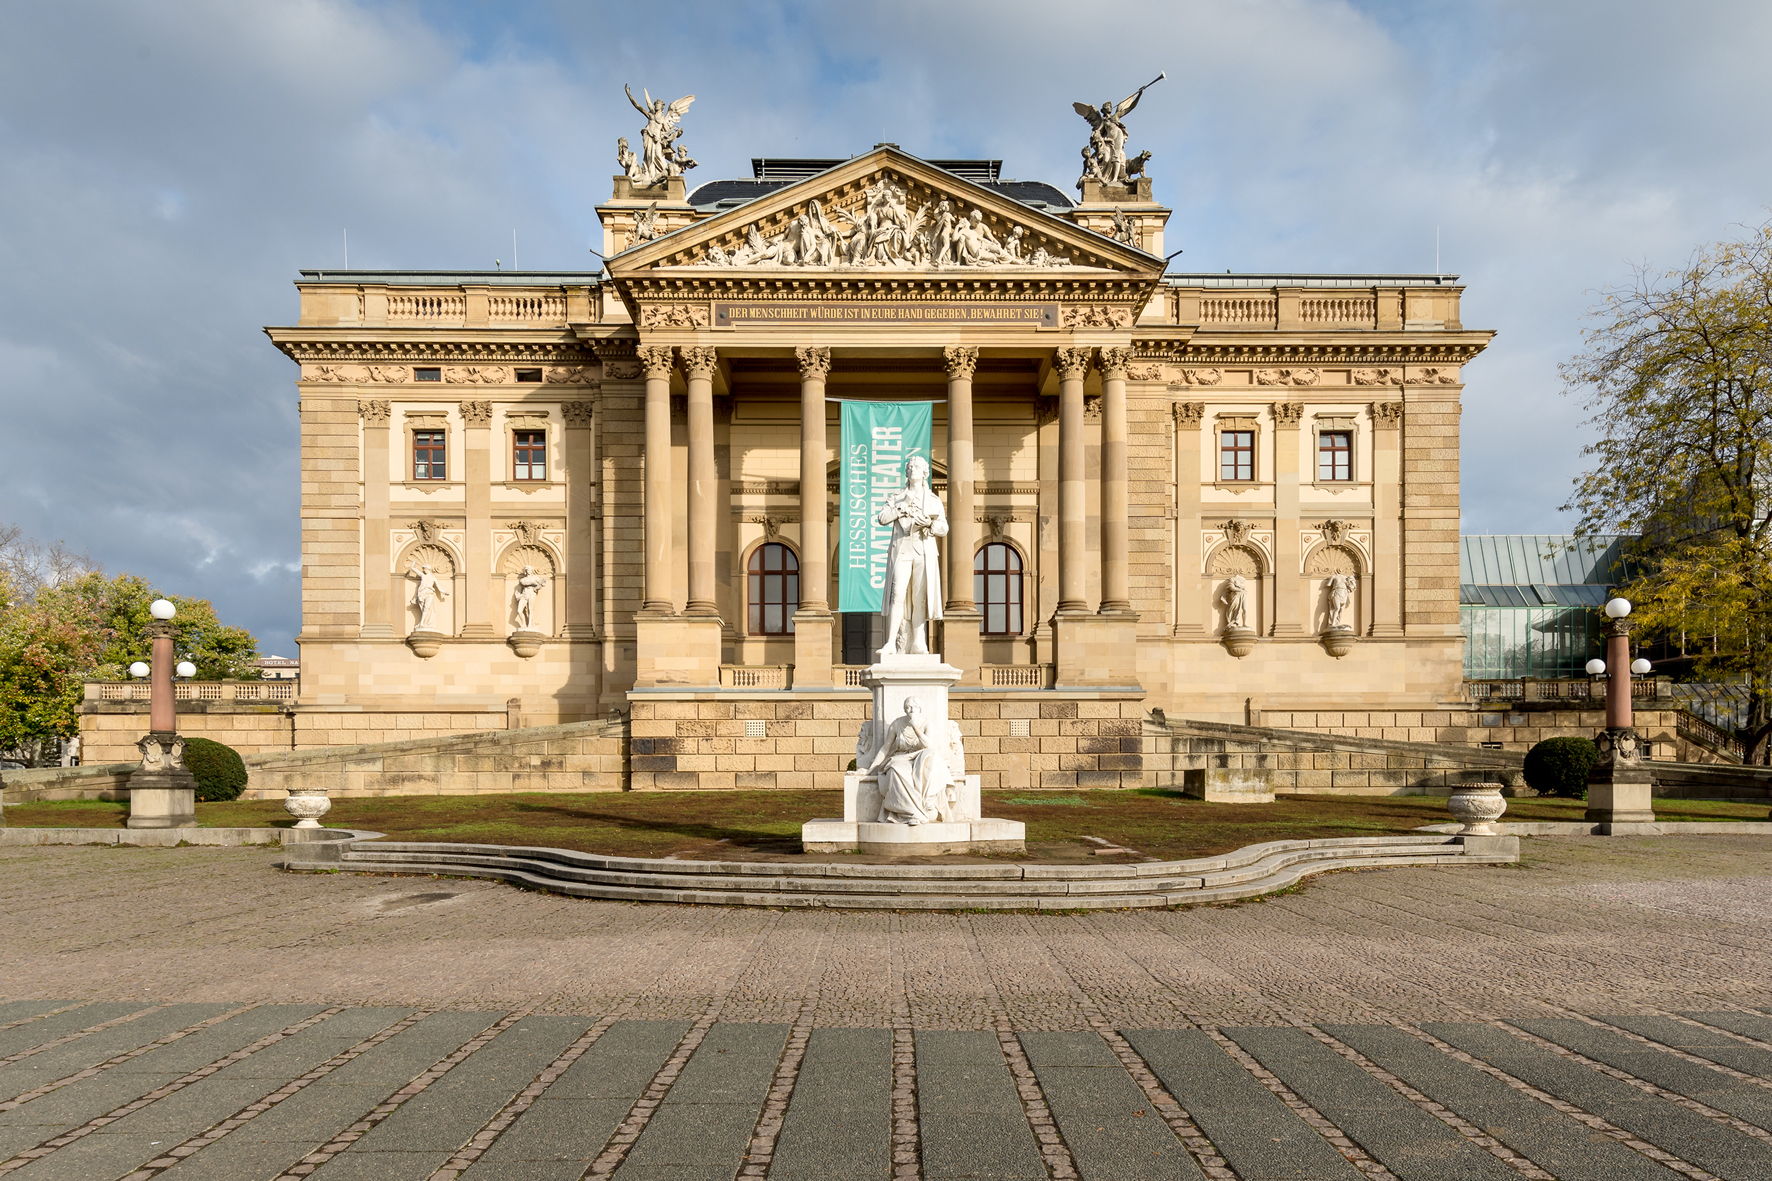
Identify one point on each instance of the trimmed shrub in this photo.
(219, 771)
(1559, 766)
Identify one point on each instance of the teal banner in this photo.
(878, 437)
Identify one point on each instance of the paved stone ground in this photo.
(1603, 1010)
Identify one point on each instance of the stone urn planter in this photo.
(1338, 641)
(425, 644)
(525, 643)
(1477, 806)
(1238, 641)
(307, 805)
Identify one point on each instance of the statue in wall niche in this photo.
(428, 598)
(1341, 593)
(913, 568)
(1104, 159)
(912, 767)
(660, 155)
(1236, 603)
(528, 585)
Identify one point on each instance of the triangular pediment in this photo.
(885, 213)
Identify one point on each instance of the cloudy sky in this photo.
(168, 167)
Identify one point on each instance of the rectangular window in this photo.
(427, 373)
(1236, 455)
(430, 455)
(1335, 455)
(529, 459)
(528, 376)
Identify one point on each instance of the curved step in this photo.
(1245, 873)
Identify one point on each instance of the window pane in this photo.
(771, 619)
(996, 619)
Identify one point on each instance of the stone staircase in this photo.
(1246, 873)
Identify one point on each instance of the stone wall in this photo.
(109, 729)
(1516, 729)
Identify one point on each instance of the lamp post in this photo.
(162, 794)
(1620, 788)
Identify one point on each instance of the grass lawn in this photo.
(756, 825)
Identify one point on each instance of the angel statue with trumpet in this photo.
(1104, 160)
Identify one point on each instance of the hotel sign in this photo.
(728, 314)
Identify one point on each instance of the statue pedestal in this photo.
(895, 681)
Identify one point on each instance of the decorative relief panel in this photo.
(1188, 414)
(674, 315)
(1237, 535)
(1207, 376)
(570, 375)
(477, 374)
(1287, 376)
(1235, 559)
(476, 413)
(1387, 415)
(577, 413)
(1435, 375)
(1329, 546)
(374, 411)
(1288, 413)
(1331, 559)
(1096, 316)
(1376, 376)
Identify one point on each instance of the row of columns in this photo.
(961, 361)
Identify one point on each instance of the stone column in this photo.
(1387, 519)
(1291, 608)
(961, 644)
(699, 363)
(1073, 367)
(377, 611)
(660, 596)
(1188, 558)
(1116, 528)
(578, 463)
(477, 608)
(814, 624)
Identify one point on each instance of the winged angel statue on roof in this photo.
(661, 156)
(1104, 160)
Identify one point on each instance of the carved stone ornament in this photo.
(1288, 413)
(570, 375)
(879, 228)
(1073, 364)
(476, 413)
(700, 360)
(660, 156)
(161, 754)
(428, 530)
(961, 361)
(1477, 806)
(1104, 157)
(1045, 410)
(477, 374)
(994, 524)
(530, 553)
(374, 411)
(1436, 375)
(389, 373)
(1144, 373)
(1235, 559)
(1188, 414)
(527, 532)
(674, 315)
(1334, 532)
(577, 413)
(1236, 532)
(1377, 376)
(1387, 415)
(1202, 376)
(657, 359)
(1094, 316)
(1287, 377)
(815, 361)
(771, 526)
(646, 226)
(621, 370)
(1332, 559)
(1125, 230)
(1092, 406)
(1113, 362)
(307, 805)
(350, 373)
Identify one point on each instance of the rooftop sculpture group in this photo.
(661, 156)
(1104, 157)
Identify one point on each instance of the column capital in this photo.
(1387, 416)
(476, 413)
(961, 361)
(700, 360)
(1113, 362)
(1072, 363)
(1288, 414)
(374, 411)
(815, 361)
(656, 359)
(1188, 414)
(577, 413)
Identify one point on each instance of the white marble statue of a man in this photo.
(911, 768)
(913, 568)
(529, 584)
(1236, 603)
(428, 597)
(1341, 594)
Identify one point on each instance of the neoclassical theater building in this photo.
(540, 498)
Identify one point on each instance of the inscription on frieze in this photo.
(1041, 315)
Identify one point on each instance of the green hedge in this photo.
(1559, 766)
(219, 771)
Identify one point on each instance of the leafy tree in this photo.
(1678, 370)
(92, 626)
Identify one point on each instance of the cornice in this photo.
(455, 349)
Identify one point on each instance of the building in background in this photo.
(1530, 603)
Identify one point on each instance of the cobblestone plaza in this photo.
(1600, 1010)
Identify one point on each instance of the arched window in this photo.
(996, 584)
(774, 578)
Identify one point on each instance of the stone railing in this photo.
(526, 308)
(1715, 739)
(756, 676)
(1017, 676)
(282, 690)
(426, 307)
(1582, 691)
(1234, 310)
(1351, 311)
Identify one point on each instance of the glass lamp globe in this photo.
(1595, 667)
(185, 669)
(1640, 667)
(1617, 608)
(139, 669)
(162, 609)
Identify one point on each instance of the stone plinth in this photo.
(162, 793)
(1229, 785)
(896, 682)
